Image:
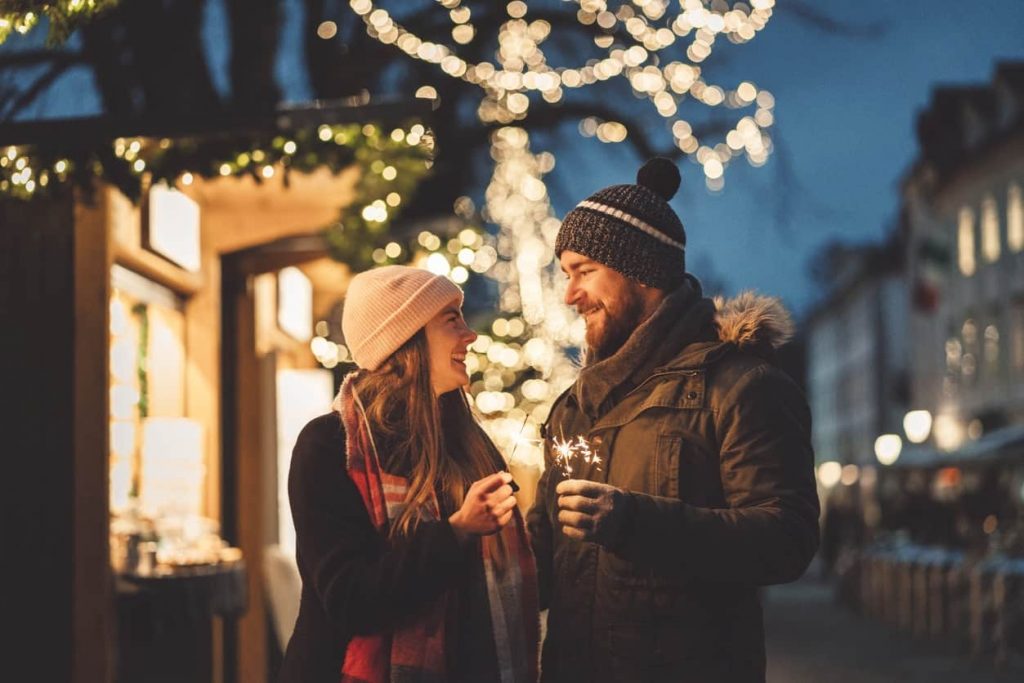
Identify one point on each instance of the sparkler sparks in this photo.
(566, 450)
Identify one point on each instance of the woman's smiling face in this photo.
(448, 338)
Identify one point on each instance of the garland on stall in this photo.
(63, 16)
(388, 180)
(142, 373)
(393, 162)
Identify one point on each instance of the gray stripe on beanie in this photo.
(617, 242)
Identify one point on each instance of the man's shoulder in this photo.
(736, 363)
(720, 363)
(741, 369)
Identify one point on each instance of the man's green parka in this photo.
(711, 442)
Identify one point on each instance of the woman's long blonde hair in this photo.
(444, 446)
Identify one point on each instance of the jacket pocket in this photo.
(684, 469)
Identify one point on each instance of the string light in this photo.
(522, 259)
(400, 159)
(327, 30)
(522, 66)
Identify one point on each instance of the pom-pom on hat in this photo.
(386, 306)
(632, 228)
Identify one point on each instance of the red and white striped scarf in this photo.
(415, 650)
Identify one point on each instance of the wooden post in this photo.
(93, 583)
(242, 471)
(54, 265)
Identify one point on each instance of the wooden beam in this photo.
(158, 270)
(246, 472)
(83, 132)
(92, 609)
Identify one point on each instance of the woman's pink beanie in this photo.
(386, 306)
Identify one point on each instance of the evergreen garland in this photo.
(392, 163)
(63, 16)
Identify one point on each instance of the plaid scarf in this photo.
(415, 650)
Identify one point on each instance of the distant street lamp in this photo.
(849, 475)
(887, 448)
(917, 424)
(829, 473)
(949, 432)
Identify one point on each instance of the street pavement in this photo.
(811, 638)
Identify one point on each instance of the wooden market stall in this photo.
(143, 339)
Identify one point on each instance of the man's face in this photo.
(611, 304)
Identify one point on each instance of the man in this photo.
(703, 487)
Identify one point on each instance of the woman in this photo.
(414, 560)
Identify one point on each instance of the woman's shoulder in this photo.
(318, 481)
(324, 427)
(323, 438)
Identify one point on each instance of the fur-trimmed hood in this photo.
(753, 322)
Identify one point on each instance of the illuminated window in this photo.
(954, 352)
(1017, 336)
(990, 229)
(1014, 218)
(991, 350)
(965, 242)
(970, 334)
(969, 360)
(147, 386)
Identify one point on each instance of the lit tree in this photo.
(661, 55)
(498, 73)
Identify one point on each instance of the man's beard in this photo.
(619, 324)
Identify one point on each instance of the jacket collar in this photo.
(684, 316)
(686, 332)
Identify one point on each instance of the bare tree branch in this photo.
(254, 40)
(550, 117)
(811, 15)
(23, 58)
(26, 97)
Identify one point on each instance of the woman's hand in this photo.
(487, 508)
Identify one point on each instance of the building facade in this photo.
(965, 258)
(857, 352)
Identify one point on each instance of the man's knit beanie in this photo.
(386, 306)
(631, 228)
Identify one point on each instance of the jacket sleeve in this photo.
(538, 524)
(364, 583)
(769, 531)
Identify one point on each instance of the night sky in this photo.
(845, 112)
(845, 109)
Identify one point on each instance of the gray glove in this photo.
(594, 512)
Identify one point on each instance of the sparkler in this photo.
(518, 438)
(566, 450)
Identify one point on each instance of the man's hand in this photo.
(590, 511)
